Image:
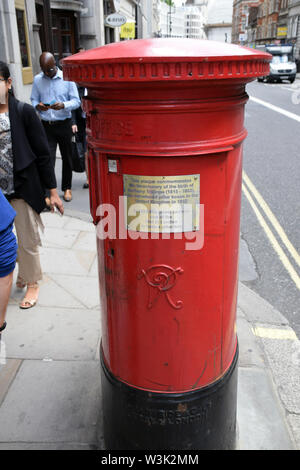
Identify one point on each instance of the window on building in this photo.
(22, 37)
(258, 32)
(24, 41)
(269, 31)
(63, 33)
(293, 26)
(109, 33)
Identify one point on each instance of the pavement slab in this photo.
(47, 446)
(56, 260)
(53, 333)
(51, 294)
(52, 402)
(79, 225)
(84, 289)
(257, 309)
(54, 237)
(294, 423)
(261, 425)
(8, 371)
(282, 349)
(86, 241)
(249, 353)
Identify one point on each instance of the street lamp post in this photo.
(170, 19)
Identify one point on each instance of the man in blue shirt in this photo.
(55, 99)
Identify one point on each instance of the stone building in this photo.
(267, 22)
(219, 20)
(293, 27)
(185, 21)
(252, 26)
(274, 21)
(28, 27)
(240, 17)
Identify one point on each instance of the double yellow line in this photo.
(263, 212)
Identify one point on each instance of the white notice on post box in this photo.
(163, 204)
(112, 166)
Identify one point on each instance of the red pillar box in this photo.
(165, 123)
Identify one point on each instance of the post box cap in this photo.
(166, 59)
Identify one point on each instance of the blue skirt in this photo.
(8, 251)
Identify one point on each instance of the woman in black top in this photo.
(25, 172)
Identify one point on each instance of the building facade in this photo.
(29, 27)
(268, 21)
(194, 22)
(251, 28)
(186, 21)
(240, 18)
(171, 21)
(274, 22)
(278, 22)
(293, 27)
(219, 20)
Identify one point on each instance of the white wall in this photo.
(219, 20)
(92, 29)
(219, 34)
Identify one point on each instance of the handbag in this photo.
(78, 155)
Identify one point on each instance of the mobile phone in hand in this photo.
(49, 104)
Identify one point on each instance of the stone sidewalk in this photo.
(50, 395)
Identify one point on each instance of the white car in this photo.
(282, 67)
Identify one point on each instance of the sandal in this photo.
(29, 303)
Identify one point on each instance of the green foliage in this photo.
(168, 2)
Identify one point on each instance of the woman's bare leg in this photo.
(5, 288)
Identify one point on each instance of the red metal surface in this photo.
(168, 314)
(165, 60)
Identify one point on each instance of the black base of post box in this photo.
(204, 419)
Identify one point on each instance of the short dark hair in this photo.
(4, 70)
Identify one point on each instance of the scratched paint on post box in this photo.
(162, 204)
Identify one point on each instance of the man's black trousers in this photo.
(60, 132)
